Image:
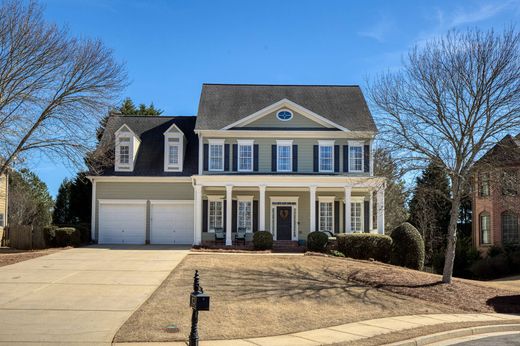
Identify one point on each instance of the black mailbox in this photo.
(199, 301)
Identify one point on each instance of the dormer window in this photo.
(173, 149)
(126, 146)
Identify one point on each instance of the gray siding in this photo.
(143, 191)
(297, 121)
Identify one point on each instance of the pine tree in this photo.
(430, 210)
(61, 214)
(80, 199)
(128, 107)
(395, 192)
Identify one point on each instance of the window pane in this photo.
(356, 159)
(284, 158)
(216, 157)
(215, 215)
(124, 154)
(510, 228)
(245, 215)
(326, 158)
(485, 229)
(356, 217)
(326, 222)
(173, 155)
(484, 185)
(245, 157)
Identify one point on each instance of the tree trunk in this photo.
(452, 232)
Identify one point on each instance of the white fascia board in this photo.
(129, 130)
(118, 179)
(284, 133)
(173, 127)
(285, 103)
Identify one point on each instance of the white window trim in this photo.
(218, 199)
(284, 143)
(119, 143)
(284, 110)
(220, 142)
(180, 147)
(245, 199)
(326, 199)
(328, 143)
(246, 142)
(352, 144)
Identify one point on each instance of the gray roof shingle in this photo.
(150, 156)
(223, 104)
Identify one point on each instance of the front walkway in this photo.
(351, 331)
(80, 295)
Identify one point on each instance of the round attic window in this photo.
(284, 115)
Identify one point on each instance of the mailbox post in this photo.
(199, 301)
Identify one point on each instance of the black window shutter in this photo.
(345, 158)
(225, 214)
(336, 158)
(273, 158)
(316, 158)
(317, 215)
(205, 215)
(295, 158)
(235, 157)
(255, 157)
(366, 153)
(255, 216)
(336, 216)
(366, 215)
(234, 216)
(206, 157)
(226, 157)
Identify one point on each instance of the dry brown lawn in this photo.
(12, 256)
(262, 295)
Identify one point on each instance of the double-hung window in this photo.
(326, 156)
(124, 151)
(245, 155)
(355, 158)
(216, 155)
(356, 216)
(215, 214)
(485, 229)
(284, 156)
(173, 155)
(326, 213)
(173, 152)
(245, 213)
(510, 233)
(484, 185)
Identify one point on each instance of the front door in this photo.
(284, 223)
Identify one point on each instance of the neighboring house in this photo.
(4, 181)
(496, 195)
(288, 159)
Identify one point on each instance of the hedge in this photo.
(262, 240)
(365, 246)
(317, 241)
(61, 236)
(407, 247)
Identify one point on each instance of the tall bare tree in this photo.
(453, 99)
(53, 87)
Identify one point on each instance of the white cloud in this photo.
(379, 30)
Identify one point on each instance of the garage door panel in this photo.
(122, 223)
(171, 223)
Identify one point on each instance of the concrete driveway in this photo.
(80, 295)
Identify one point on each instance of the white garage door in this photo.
(122, 222)
(171, 222)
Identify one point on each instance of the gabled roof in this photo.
(224, 104)
(150, 156)
(505, 153)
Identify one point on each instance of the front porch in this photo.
(289, 207)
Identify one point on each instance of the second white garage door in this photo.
(171, 222)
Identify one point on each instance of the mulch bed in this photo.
(11, 256)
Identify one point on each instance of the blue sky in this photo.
(171, 47)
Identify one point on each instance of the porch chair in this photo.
(241, 235)
(220, 236)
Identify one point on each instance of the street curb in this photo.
(457, 333)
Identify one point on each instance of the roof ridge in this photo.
(288, 85)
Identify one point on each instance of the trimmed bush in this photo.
(262, 240)
(365, 246)
(67, 236)
(317, 241)
(49, 235)
(83, 228)
(491, 267)
(407, 247)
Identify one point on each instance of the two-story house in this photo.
(496, 196)
(288, 159)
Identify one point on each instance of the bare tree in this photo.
(53, 87)
(451, 101)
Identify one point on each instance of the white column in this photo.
(261, 209)
(229, 213)
(201, 154)
(371, 211)
(312, 199)
(348, 213)
(93, 212)
(381, 210)
(197, 211)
